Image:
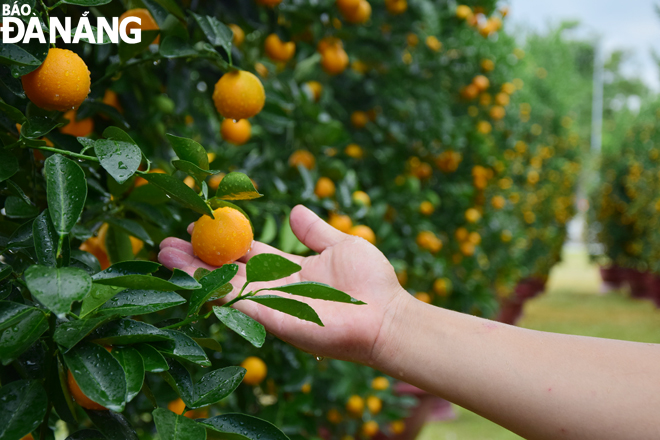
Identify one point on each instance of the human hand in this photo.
(345, 262)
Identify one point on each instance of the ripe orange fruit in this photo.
(340, 222)
(472, 215)
(239, 35)
(261, 70)
(82, 128)
(506, 236)
(361, 198)
(497, 112)
(302, 157)
(370, 428)
(423, 297)
(147, 21)
(223, 239)
(306, 388)
(315, 89)
(324, 188)
(93, 246)
(469, 92)
(239, 95)
(429, 241)
(142, 181)
(484, 127)
(374, 404)
(461, 234)
(498, 202)
(442, 286)
(334, 416)
(433, 43)
(79, 396)
(355, 405)
(256, 370)
(61, 83)
(398, 426)
(177, 406)
(487, 65)
(278, 50)
(467, 249)
(269, 3)
(214, 181)
(348, 6)
(360, 15)
(334, 58)
(426, 208)
(481, 82)
(110, 98)
(136, 243)
(364, 232)
(508, 88)
(354, 150)
(27, 437)
(236, 132)
(359, 119)
(396, 7)
(463, 12)
(380, 383)
(474, 238)
(502, 99)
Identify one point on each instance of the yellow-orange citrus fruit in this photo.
(147, 22)
(472, 215)
(214, 181)
(412, 39)
(93, 246)
(354, 150)
(302, 157)
(506, 236)
(481, 82)
(340, 222)
(398, 426)
(82, 128)
(484, 127)
(442, 286)
(508, 88)
(306, 388)
(142, 181)
(355, 405)
(461, 234)
(261, 70)
(463, 12)
(423, 297)
(364, 232)
(467, 249)
(347, 6)
(334, 416)
(498, 202)
(278, 50)
(469, 92)
(502, 99)
(362, 198)
(374, 404)
(359, 119)
(110, 98)
(190, 182)
(429, 241)
(396, 7)
(236, 132)
(334, 60)
(315, 89)
(269, 3)
(324, 188)
(380, 383)
(487, 65)
(79, 396)
(426, 208)
(497, 112)
(27, 437)
(239, 95)
(177, 406)
(239, 35)
(474, 238)
(361, 14)
(136, 243)
(256, 370)
(61, 83)
(370, 428)
(433, 43)
(223, 239)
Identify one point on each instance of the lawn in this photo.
(573, 305)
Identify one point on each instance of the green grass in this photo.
(572, 305)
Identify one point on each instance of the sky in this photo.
(620, 24)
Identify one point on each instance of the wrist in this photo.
(392, 334)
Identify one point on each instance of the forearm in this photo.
(540, 385)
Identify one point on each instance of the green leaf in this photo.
(131, 227)
(269, 229)
(183, 347)
(128, 51)
(244, 427)
(173, 426)
(5, 271)
(117, 134)
(22, 408)
(178, 377)
(14, 54)
(288, 242)
(237, 186)
(212, 287)
(179, 191)
(175, 47)
(269, 267)
(248, 328)
(138, 267)
(13, 84)
(140, 302)
(217, 33)
(8, 165)
(96, 297)
(120, 159)
(58, 288)
(86, 2)
(190, 151)
(66, 189)
(17, 338)
(12, 312)
(16, 207)
(45, 240)
(148, 282)
(154, 362)
(289, 306)
(192, 170)
(310, 289)
(114, 425)
(133, 366)
(209, 343)
(18, 192)
(22, 237)
(40, 122)
(70, 333)
(118, 245)
(173, 8)
(216, 385)
(128, 331)
(13, 113)
(98, 374)
(86, 434)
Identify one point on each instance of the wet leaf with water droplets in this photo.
(216, 385)
(22, 408)
(120, 159)
(173, 426)
(249, 427)
(253, 331)
(269, 267)
(310, 289)
(237, 186)
(45, 241)
(179, 192)
(114, 426)
(128, 331)
(70, 333)
(133, 366)
(154, 362)
(22, 333)
(178, 377)
(289, 306)
(183, 347)
(140, 302)
(57, 288)
(212, 286)
(66, 189)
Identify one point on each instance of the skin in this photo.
(538, 385)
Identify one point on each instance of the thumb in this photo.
(314, 233)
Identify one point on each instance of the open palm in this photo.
(344, 262)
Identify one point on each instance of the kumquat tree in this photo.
(417, 125)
